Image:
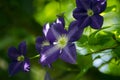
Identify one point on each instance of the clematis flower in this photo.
(61, 42)
(18, 58)
(88, 13)
(42, 41)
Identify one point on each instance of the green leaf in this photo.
(100, 40)
(116, 51)
(112, 68)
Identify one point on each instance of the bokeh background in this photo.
(22, 20)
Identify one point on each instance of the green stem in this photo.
(102, 50)
(113, 47)
(36, 56)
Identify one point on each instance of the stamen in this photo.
(90, 12)
(20, 58)
(62, 41)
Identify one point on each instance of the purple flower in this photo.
(19, 60)
(61, 42)
(88, 13)
(42, 41)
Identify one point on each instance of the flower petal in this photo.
(60, 20)
(60, 28)
(53, 34)
(14, 67)
(26, 65)
(39, 42)
(79, 14)
(46, 28)
(69, 54)
(84, 22)
(22, 48)
(55, 31)
(49, 54)
(96, 21)
(84, 4)
(99, 6)
(13, 53)
(74, 32)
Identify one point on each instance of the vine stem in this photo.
(36, 56)
(102, 50)
(117, 45)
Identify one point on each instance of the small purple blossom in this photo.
(88, 13)
(18, 58)
(42, 41)
(61, 42)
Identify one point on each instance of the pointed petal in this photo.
(59, 28)
(99, 6)
(13, 53)
(49, 54)
(60, 20)
(82, 18)
(84, 4)
(46, 28)
(84, 22)
(14, 67)
(52, 34)
(69, 54)
(79, 14)
(74, 32)
(96, 21)
(55, 31)
(39, 42)
(26, 65)
(22, 48)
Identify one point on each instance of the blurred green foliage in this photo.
(23, 20)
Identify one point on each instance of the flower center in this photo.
(62, 41)
(20, 58)
(45, 43)
(90, 12)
